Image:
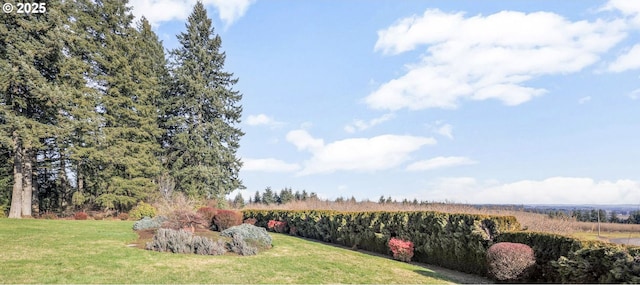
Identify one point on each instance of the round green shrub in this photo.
(142, 210)
(250, 234)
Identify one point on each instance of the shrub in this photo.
(240, 246)
(249, 233)
(142, 210)
(168, 240)
(251, 221)
(276, 226)
(225, 219)
(49, 216)
(207, 214)
(402, 250)
(149, 223)
(98, 216)
(182, 218)
(80, 216)
(205, 246)
(510, 261)
(123, 216)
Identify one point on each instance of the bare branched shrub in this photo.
(510, 261)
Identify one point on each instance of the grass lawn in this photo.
(60, 251)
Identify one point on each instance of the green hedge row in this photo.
(456, 241)
(561, 259)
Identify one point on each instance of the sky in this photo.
(483, 102)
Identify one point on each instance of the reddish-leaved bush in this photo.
(251, 221)
(402, 250)
(208, 213)
(123, 216)
(225, 219)
(510, 261)
(276, 226)
(80, 216)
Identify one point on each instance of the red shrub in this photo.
(80, 216)
(510, 261)
(251, 221)
(207, 213)
(276, 226)
(225, 219)
(402, 250)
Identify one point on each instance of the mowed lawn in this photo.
(61, 251)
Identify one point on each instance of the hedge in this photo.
(562, 259)
(455, 241)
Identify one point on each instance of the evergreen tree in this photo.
(256, 197)
(201, 113)
(30, 56)
(238, 201)
(123, 67)
(286, 195)
(268, 197)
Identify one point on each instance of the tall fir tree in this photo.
(127, 84)
(30, 55)
(201, 114)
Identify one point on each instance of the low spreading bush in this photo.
(149, 223)
(142, 210)
(241, 247)
(80, 216)
(168, 240)
(510, 261)
(184, 219)
(123, 216)
(249, 233)
(402, 250)
(207, 213)
(276, 226)
(225, 219)
(49, 216)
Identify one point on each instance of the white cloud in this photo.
(486, 57)
(629, 8)
(446, 130)
(440, 162)
(554, 190)
(627, 61)
(584, 100)
(158, 11)
(356, 154)
(262, 119)
(304, 141)
(360, 125)
(268, 165)
(635, 94)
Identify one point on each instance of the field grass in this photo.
(61, 251)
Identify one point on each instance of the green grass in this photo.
(59, 251)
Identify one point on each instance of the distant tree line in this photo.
(286, 195)
(594, 215)
(93, 115)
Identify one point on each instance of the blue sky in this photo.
(524, 102)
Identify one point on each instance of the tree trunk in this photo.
(27, 187)
(16, 199)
